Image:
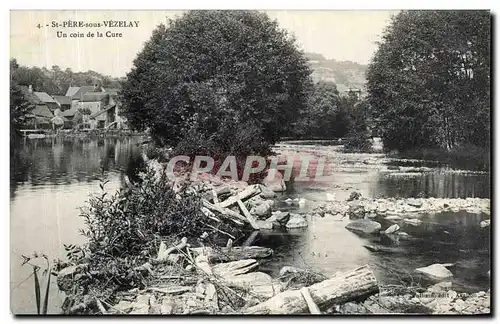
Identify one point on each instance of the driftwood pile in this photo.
(242, 205)
(235, 287)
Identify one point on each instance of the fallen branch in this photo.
(216, 199)
(313, 308)
(251, 238)
(220, 231)
(101, 308)
(235, 253)
(342, 288)
(247, 214)
(163, 254)
(227, 213)
(245, 194)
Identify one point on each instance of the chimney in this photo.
(30, 89)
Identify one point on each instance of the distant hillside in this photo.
(345, 74)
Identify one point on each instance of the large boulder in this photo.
(435, 271)
(364, 226)
(296, 221)
(274, 181)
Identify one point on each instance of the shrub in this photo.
(358, 143)
(124, 231)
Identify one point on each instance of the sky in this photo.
(340, 35)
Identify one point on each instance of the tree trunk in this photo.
(248, 192)
(342, 288)
(234, 253)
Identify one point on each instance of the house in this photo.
(106, 117)
(119, 121)
(70, 113)
(94, 101)
(41, 115)
(76, 93)
(46, 99)
(64, 102)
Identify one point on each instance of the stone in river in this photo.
(392, 217)
(296, 221)
(266, 192)
(412, 221)
(364, 226)
(435, 271)
(265, 224)
(281, 216)
(392, 229)
(414, 202)
(263, 209)
(485, 223)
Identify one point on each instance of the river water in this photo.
(51, 178)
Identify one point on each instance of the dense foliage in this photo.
(211, 77)
(124, 231)
(329, 114)
(56, 81)
(429, 82)
(19, 108)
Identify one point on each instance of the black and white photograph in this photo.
(250, 162)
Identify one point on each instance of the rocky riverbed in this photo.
(199, 278)
(438, 299)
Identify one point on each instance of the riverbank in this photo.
(469, 157)
(198, 276)
(91, 134)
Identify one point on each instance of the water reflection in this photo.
(50, 179)
(443, 238)
(53, 161)
(432, 184)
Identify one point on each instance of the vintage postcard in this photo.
(226, 162)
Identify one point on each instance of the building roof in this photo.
(111, 91)
(70, 112)
(42, 111)
(78, 92)
(94, 96)
(71, 91)
(63, 100)
(44, 97)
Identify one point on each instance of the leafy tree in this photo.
(211, 74)
(319, 118)
(19, 108)
(56, 81)
(429, 81)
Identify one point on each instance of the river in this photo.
(52, 177)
